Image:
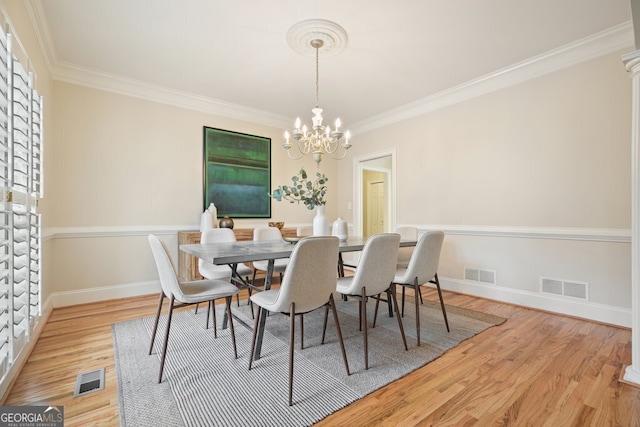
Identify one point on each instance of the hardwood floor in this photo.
(536, 369)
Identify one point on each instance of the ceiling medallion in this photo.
(333, 36)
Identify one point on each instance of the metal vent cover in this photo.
(567, 288)
(479, 275)
(89, 382)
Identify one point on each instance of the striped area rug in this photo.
(204, 385)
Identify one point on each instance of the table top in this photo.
(251, 250)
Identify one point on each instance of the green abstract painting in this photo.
(237, 173)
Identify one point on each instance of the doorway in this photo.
(374, 185)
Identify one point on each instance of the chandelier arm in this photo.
(295, 158)
(338, 157)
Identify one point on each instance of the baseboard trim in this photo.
(104, 293)
(585, 310)
(630, 375)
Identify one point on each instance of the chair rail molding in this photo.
(611, 235)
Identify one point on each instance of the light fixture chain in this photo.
(317, 76)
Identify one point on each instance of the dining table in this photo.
(233, 253)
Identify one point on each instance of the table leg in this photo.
(234, 274)
(263, 315)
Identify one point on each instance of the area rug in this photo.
(204, 385)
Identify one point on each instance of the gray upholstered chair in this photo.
(223, 272)
(308, 284)
(374, 275)
(404, 254)
(185, 293)
(268, 233)
(423, 268)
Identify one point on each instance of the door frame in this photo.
(359, 166)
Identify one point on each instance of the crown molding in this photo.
(138, 89)
(599, 44)
(42, 32)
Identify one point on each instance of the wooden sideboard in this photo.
(188, 264)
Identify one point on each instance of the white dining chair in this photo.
(308, 284)
(185, 293)
(374, 276)
(223, 272)
(404, 254)
(279, 265)
(423, 268)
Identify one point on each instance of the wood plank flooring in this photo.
(536, 369)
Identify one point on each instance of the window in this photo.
(20, 188)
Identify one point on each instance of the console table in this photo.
(188, 264)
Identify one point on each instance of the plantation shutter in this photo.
(21, 186)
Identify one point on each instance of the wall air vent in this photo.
(479, 275)
(567, 288)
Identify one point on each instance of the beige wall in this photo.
(123, 166)
(551, 152)
(550, 155)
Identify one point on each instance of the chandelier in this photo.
(320, 139)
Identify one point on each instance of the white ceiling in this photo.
(235, 52)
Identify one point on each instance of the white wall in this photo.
(530, 181)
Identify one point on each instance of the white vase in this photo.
(320, 223)
(214, 215)
(340, 229)
(206, 221)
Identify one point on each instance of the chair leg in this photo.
(421, 301)
(166, 341)
(155, 325)
(375, 312)
(292, 327)
(363, 325)
(302, 332)
(208, 312)
(335, 318)
(444, 310)
(403, 288)
(395, 305)
(255, 334)
(215, 322)
(324, 325)
(415, 298)
(233, 332)
(197, 305)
